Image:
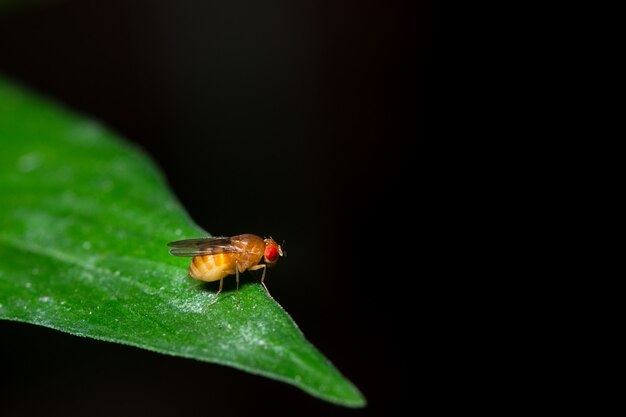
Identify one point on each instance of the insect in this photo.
(214, 258)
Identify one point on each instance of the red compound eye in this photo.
(271, 253)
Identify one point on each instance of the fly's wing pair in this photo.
(202, 246)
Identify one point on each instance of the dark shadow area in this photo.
(299, 120)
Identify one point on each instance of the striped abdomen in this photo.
(212, 267)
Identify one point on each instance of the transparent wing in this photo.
(201, 241)
(202, 246)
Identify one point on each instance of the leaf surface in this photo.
(84, 223)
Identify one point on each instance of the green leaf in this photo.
(84, 223)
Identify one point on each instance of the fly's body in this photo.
(214, 267)
(215, 258)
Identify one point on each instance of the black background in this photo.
(299, 120)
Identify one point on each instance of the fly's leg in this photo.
(197, 285)
(237, 278)
(218, 291)
(264, 268)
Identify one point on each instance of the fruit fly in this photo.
(214, 258)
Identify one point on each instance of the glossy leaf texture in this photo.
(84, 222)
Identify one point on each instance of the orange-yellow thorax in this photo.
(217, 266)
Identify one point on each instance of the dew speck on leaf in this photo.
(29, 162)
(87, 132)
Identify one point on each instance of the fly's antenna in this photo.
(282, 247)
